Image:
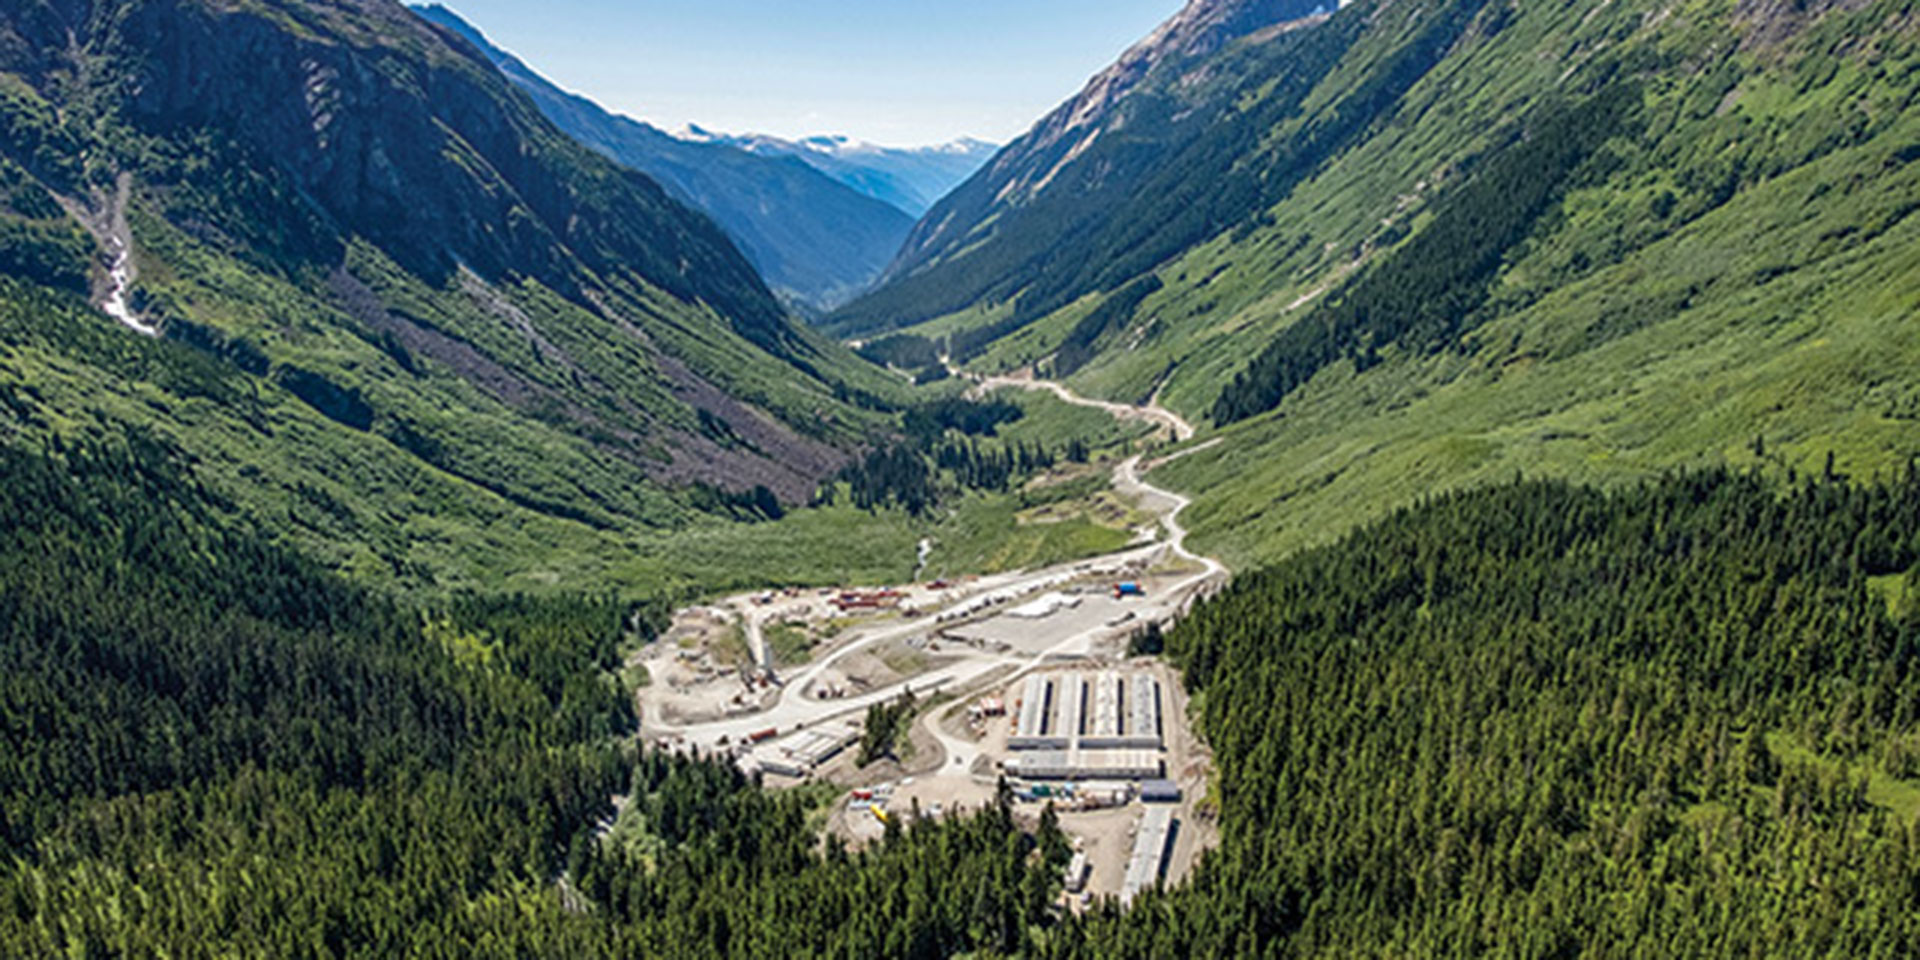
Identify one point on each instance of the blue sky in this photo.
(899, 72)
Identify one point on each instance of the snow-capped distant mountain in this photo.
(910, 178)
(816, 240)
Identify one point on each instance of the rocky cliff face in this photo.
(409, 141)
(359, 206)
(1031, 162)
(1197, 31)
(1125, 122)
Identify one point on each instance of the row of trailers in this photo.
(1104, 711)
(1100, 726)
(800, 752)
(1151, 846)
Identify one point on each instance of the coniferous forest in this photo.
(215, 748)
(1541, 720)
(1538, 720)
(361, 434)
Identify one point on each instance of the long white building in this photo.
(1035, 727)
(1150, 848)
(1104, 711)
(1087, 765)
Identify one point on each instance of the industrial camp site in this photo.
(918, 702)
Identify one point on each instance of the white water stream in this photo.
(119, 281)
(926, 551)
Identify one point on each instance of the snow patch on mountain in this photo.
(910, 178)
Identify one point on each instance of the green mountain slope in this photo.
(396, 305)
(1541, 720)
(1416, 247)
(215, 748)
(815, 239)
(1125, 157)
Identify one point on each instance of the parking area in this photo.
(1083, 608)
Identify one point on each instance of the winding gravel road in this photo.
(1153, 412)
(795, 709)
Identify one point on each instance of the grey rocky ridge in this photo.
(817, 241)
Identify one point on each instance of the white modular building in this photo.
(1035, 728)
(1150, 848)
(1086, 765)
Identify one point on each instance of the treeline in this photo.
(213, 747)
(926, 423)
(750, 506)
(985, 468)
(895, 475)
(209, 740)
(52, 254)
(1423, 296)
(152, 647)
(942, 452)
(1113, 313)
(905, 351)
(1544, 721)
(900, 475)
(747, 880)
(910, 352)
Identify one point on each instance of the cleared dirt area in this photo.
(804, 664)
(1106, 837)
(1093, 608)
(696, 670)
(1052, 624)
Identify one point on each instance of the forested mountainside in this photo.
(1533, 720)
(816, 240)
(214, 748)
(1413, 246)
(395, 305)
(1540, 720)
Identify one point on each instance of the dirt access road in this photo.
(1153, 412)
(1163, 503)
(796, 707)
(1159, 501)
